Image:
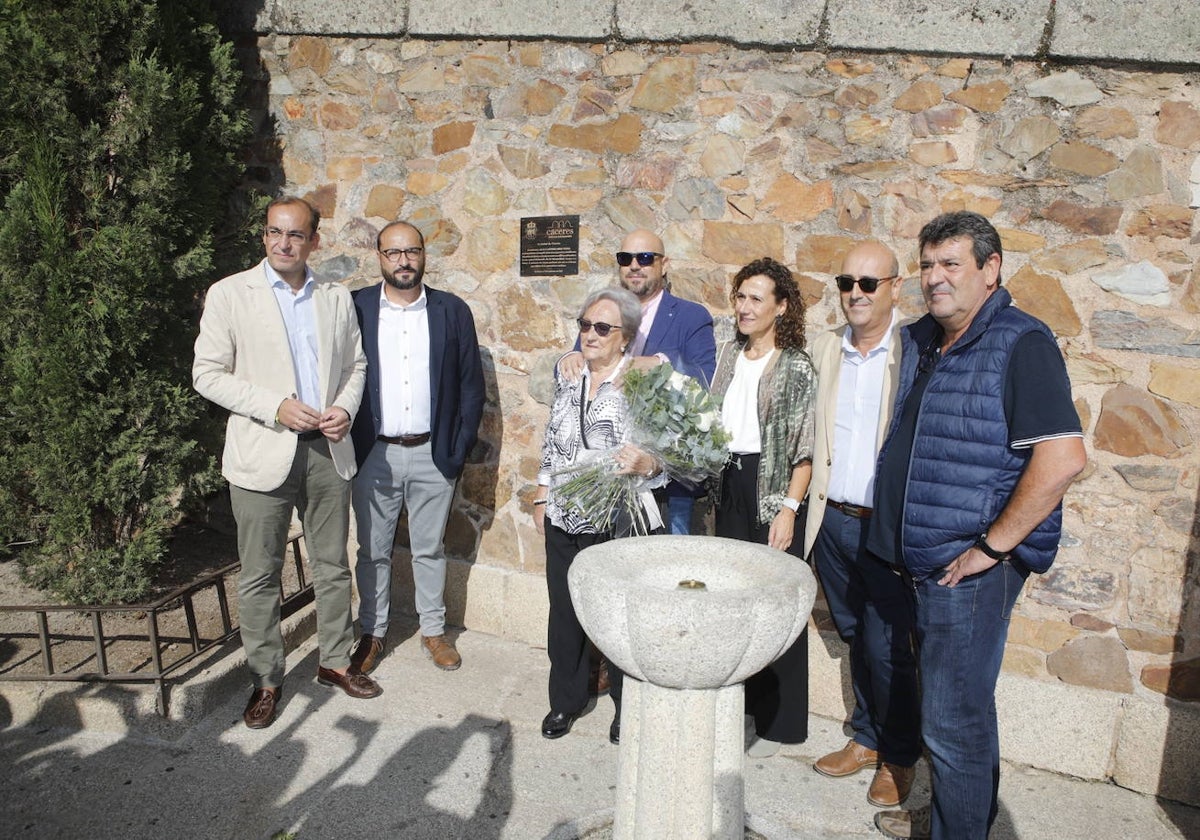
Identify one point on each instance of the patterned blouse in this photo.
(603, 422)
(787, 395)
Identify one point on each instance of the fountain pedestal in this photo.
(689, 619)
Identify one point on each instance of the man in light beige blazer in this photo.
(281, 352)
(857, 367)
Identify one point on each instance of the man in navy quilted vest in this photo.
(984, 442)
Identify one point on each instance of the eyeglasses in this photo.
(644, 258)
(602, 329)
(394, 254)
(295, 237)
(845, 282)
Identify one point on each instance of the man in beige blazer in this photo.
(281, 352)
(857, 368)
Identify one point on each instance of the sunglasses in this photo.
(644, 258)
(602, 329)
(845, 282)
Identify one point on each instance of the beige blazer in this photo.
(244, 364)
(827, 356)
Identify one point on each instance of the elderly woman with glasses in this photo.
(588, 414)
(769, 386)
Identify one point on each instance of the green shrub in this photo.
(120, 131)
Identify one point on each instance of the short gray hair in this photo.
(627, 304)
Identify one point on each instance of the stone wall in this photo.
(1091, 173)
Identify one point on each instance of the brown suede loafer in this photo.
(891, 785)
(260, 711)
(367, 653)
(441, 651)
(847, 761)
(359, 686)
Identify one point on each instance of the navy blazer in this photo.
(456, 379)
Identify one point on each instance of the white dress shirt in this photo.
(404, 390)
(299, 318)
(649, 310)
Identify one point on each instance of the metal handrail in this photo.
(158, 673)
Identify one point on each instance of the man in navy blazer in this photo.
(673, 330)
(419, 418)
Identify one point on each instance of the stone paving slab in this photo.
(444, 755)
(1151, 30)
(772, 22)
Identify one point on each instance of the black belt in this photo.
(406, 440)
(315, 434)
(850, 510)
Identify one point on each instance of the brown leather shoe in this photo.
(891, 785)
(260, 711)
(905, 825)
(847, 761)
(359, 686)
(367, 653)
(441, 651)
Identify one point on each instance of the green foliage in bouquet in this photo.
(120, 133)
(678, 421)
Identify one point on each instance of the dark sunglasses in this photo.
(644, 259)
(846, 283)
(602, 329)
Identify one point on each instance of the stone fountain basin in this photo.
(754, 604)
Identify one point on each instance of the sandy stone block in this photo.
(575, 201)
(1175, 382)
(988, 98)
(668, 86)
(823, 253)
(1081, 218)
(1179, 680)
(865, 130)
(947, 119)
(525, 323)
(1082, 158)
(956, 68)
(1022, 662)
(792, 200)
(736, 244)
(594, 101)
(1168, 220)
(324, 198)
(1140, 174)
(1020, 241)
(1150, 641)
(1067, 729)
(1072, 257)
(1045, 636)
(1133, 423)
(542, 97)
(1156, 749)
(858, 96)
(623, 63)
(344, 168)
(1030, 137)
(933, 153)
(1106, 123)
(338, 116)
(308, 51)
(854, 213)
(920, 96)
(1178, 125)
(426, 183)
(851, 68)
(984, 205)
(1043, 297)
(428, 77)
(723, 155)
(486, 71)
(522, 162)
(455, 135)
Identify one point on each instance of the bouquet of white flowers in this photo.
(674, 419)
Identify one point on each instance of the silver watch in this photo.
(792, 505)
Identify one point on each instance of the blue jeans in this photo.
(873, 612)
(679, 514)
(960, 635)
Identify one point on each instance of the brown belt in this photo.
(406, 440)
(851, 510)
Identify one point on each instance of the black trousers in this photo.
(777, 696)
(566, 643)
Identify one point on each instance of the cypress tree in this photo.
(120, 134)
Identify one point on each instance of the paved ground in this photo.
(440, 756)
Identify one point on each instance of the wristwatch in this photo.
(983, 546)
(792, 505)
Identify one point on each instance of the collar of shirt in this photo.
(649, 309)
(850, 351)
(278, 282)
(422, 302)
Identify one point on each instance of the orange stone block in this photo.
(451, 136)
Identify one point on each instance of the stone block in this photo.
(988, 27)
(1057, 727)
(1154, 30)
(791, 22)
(510, 18)
(1156, 749)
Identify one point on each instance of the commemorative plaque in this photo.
(549, 246)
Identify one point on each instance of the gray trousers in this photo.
(391, 478)
(314, 488)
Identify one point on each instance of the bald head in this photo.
(645, 281)
(869, 313)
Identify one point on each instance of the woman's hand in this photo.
(783, 529)
(634, 461)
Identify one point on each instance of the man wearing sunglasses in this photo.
(984, 442)
(673, 330)
(856, 373)
(419, 419)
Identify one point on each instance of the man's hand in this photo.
(297, 416)
(970, 562)
(335, 423)
(570, 366)
(783, 529)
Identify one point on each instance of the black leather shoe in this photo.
(359, 686)
(557, 724)
(614, 729)
(260, 711)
